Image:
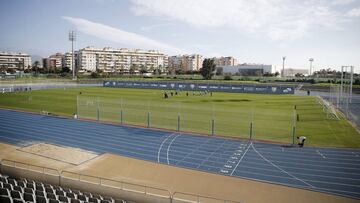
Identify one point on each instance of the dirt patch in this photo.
(197, 182)
(70, 155)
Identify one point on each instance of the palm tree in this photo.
(35, 66)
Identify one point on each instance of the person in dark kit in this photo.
(187, 94)
(308, 92)
(176, 93)
(210, 94)
(172, 94)
(165, 95)
(80, 92)
(301, 140)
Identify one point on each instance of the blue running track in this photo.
(330, 170)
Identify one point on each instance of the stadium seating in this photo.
(29, 191)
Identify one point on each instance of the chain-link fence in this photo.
(207, 118)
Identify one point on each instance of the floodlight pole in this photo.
(311, 61)
(283, 70)
(72, 38)
(341, 84)
(351, 81)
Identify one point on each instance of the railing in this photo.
(194, 198)
(30, 167)
(122, 185)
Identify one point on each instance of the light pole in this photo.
(283, 70)
(311, 60)
(72, 38)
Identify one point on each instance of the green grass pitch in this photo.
(272, 116)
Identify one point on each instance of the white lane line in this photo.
(168, 149)
(279, 167)
(355, 154)
(241, 158)
(207, 158)
(162, 143)
(320, 154)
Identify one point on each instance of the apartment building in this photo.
(225, 61)
(120, 60)
(20, 61)
(67, 60)
(54, 61)
(186, 62)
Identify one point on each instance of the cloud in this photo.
(151, 27)
(276, 19)
(119, 36)
(341, 2)
(355, 12)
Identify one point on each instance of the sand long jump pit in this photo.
(74, 156)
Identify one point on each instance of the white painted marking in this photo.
(168, 149)
(241, 158)
(162, 143)
(228, 166)
(279, 167)
(224, 171)
(320, 154)
(233, 157)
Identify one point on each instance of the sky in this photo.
(252, 31)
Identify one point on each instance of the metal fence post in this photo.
(212, 121)
(98, 110)
(178, 122)
(294, 125)
(251, 129)
(293, 135)
(212, 126)
(121, 116)
(121, 111)
(77, 106)
(148, 120)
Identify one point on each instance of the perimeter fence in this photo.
(238, 118)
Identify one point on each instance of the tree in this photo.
(3, 69)
(132, 69)
(94, 75)
(143, 69)
(299, 75)
(219, 70)
(35, 67)
(65, 70)
(208, 68)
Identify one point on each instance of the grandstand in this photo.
(25, 190)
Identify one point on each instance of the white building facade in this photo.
(191, 62)
(20, 61)
(291, 72)
(247, 69)
(120, 60)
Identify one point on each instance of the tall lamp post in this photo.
(311, 60)
(283, 70)
(72, 38)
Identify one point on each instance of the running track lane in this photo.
(330, 170)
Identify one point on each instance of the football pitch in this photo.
(264, 117)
